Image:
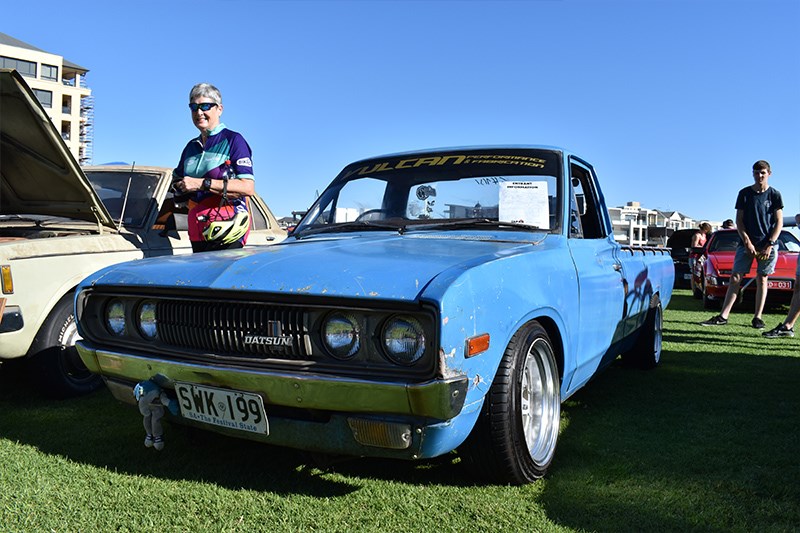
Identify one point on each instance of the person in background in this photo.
(698, 241)
(728, 224)
(699, 238)
(759, 220)
(786, 328)
(215, 172)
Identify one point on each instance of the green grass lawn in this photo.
(706, 442)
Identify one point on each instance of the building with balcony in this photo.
(60, 86)
(637, 225)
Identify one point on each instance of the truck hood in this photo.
(39, 175)
(363, 266)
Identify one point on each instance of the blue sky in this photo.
(671, 100)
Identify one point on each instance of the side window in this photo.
(585, 207)
(577, 208)
(259, 220)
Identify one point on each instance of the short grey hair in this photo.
(205, 90)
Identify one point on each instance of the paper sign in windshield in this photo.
(525, 202)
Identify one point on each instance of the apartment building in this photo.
(60, 86)
(636, 225)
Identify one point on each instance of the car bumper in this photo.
(683, 275)
(779, 287)
(319, 413)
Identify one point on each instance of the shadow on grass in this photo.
(707, 442)
(98, 430)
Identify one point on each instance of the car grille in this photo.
(234, 329)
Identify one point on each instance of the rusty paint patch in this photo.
(444, 365)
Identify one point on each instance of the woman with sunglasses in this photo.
(215, 173)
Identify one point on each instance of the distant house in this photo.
(636, 225)
(60, 86)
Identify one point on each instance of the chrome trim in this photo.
(440, 399)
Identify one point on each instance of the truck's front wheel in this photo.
(56, 366)
(514, 439)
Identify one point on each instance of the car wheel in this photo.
(514, 439)
(56, 365)
(646, 352)
(697, 290)
(708, 303)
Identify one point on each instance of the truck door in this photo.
(599, 270)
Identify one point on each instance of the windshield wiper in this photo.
(476, 223)
(350, 226)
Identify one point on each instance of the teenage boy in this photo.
(786, 328)
(759, 220)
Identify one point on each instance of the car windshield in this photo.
(114, 187)
(727, 241)
(457, 189)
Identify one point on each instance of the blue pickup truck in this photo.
(427, 301)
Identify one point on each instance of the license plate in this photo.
(687, 276)
(222, 407)
(779, 284)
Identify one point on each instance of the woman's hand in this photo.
(188, 184)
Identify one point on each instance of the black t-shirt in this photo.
(759, 212)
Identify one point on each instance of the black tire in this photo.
(698, 290)
(514, 438)
(646, 351)
(55, 364)
(708, 303)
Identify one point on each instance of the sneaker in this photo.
(779, 331)
(715, 321)
(758, 323)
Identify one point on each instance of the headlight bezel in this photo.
(119, 305)
(402, 322)
(140, 324)
(342, 319)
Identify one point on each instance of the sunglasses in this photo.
(205, 106)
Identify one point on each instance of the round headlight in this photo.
(404, 340)
(341, 335)
(147, 319)
(115, 317)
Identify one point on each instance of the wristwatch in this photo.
(206, 184)
(772, 243)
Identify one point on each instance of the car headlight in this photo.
(342, 335)
(147, 319)
(404, 340)
(115, 317)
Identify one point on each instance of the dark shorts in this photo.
(743, 261)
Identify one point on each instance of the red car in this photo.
(713, 267)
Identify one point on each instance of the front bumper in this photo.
(311, 411)
(780, 287)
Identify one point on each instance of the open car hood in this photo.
(38, 174)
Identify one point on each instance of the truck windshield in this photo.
(508, 189)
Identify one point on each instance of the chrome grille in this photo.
(234, 329)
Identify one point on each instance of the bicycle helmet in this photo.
(227, 231)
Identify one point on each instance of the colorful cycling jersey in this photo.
(209, 161)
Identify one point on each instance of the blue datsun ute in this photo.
(427, 301)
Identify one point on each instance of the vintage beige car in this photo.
(60, 222)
